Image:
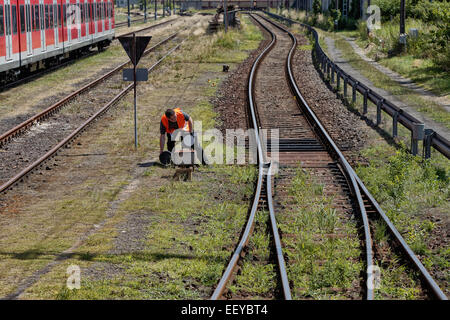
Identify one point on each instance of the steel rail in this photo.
(5, 137)
(78, 131)
(125, 23)
(220, 289)
(429, 281)
(276, 237)
(316, 124)
(147, 28)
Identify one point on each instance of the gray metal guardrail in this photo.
(416, 127)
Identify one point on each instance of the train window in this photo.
(22, 18)
(7, 19)
(64, 15)
(27, 7)
(50, 17)
(14, 19)
(55, 15)
(2, 29)
(33, 17)
(59, 15)
(81, 13)
(46, 17)
(42, 16)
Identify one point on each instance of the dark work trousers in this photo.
(170, 143)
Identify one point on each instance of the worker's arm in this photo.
(162, 140)
(191, 125)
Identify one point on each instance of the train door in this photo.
(108, 14)
(68, 22)
(55, 23)
(42, 19)
(95, 16)
(99, 16)
(107, 21)
(82, 20)
(29, 35)
(86, 19)
(91, 19)
(102, 15)
(2, 32)
(78, 19)
(35, 25)
(8, 30)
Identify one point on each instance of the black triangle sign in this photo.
(141, 44)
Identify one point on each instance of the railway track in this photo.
(71, 60)
(40, 140)
(125, 24)
(275, 102)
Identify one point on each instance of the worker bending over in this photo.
(172, 120)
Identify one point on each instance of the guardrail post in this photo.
(366, 93)
(338, 81)
(345, 86)
(379, 104)
(328, 69)
(355, 84)
(324, 61)
(417, 134)
(332, 73)
(395, 122)
(429, 133)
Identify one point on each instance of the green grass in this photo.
(258, 276)
(407, 188)
(421, 71)
(319, 265)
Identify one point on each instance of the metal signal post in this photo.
(135, 47)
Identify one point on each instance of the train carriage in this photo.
(36, 33)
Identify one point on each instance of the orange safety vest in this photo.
(180, 120)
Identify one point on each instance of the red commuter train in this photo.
(37, 33)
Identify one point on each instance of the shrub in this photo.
(317, 7)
